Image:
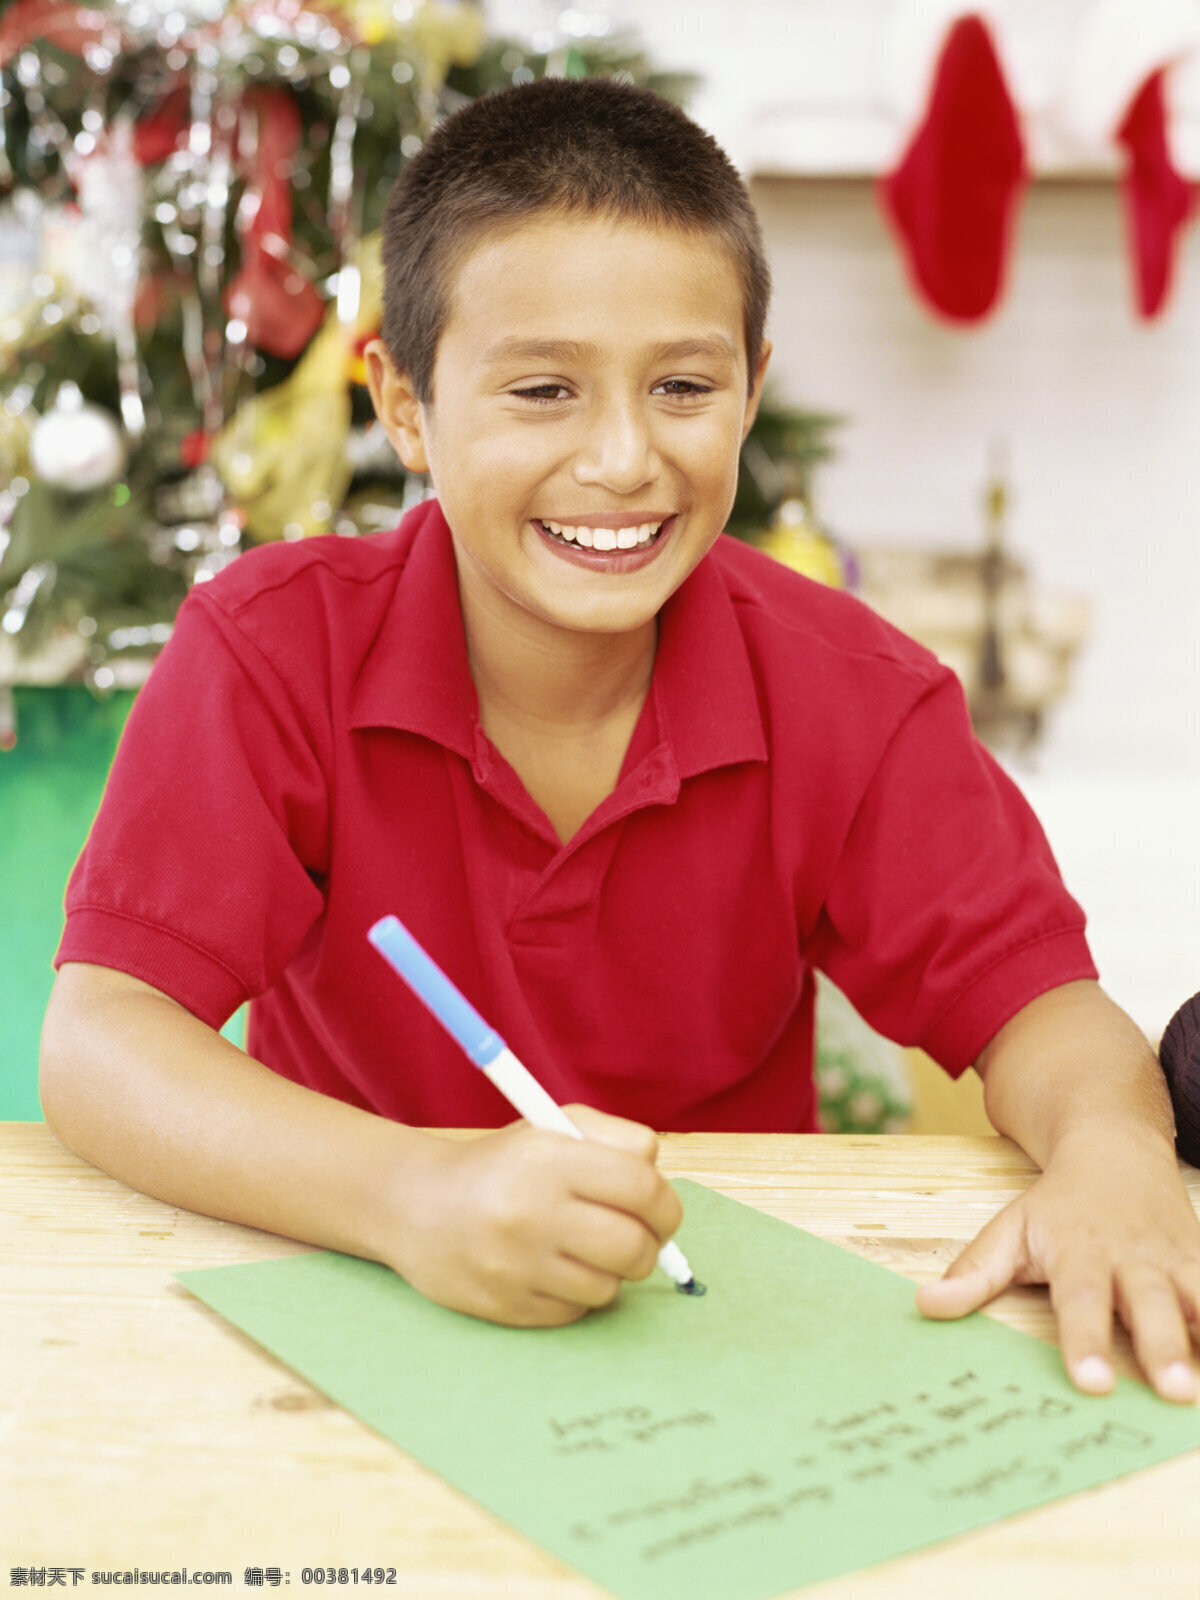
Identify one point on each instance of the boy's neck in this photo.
(554, 679)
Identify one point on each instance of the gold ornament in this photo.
(795, 540)
(447, 33)
(441, 33)
(282, 455)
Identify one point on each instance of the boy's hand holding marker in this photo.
(534, 1228)
(559, 1225)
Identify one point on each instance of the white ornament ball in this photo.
(77, 447)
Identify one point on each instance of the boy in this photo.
(627, 781)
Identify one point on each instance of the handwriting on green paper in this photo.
(799, 1421)
(929, 1434)
(623, 1425)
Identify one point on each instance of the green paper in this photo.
(799, 1421)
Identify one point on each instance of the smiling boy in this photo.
(627, 780)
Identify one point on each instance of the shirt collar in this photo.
(704, 685)
(416, 676)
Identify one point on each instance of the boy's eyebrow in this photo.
(516, 349)
(711, 346)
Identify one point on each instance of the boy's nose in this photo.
(617, 452)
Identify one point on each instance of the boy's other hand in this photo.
(533, 1228)
(1109, 1227)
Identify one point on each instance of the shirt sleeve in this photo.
(202, 872)
(946, 912)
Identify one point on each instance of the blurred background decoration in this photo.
(1012, 643)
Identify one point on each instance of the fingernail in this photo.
(1177, 1382)
(1094, 1374)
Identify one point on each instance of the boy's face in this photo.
(591, 377)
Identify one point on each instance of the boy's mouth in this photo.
(599, 546)
(585, 536)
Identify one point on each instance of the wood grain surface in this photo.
(140, 1431)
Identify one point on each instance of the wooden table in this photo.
(139, 1431)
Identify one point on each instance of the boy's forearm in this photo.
(1072, 1063)
(134, 1083)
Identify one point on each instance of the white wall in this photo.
(1099, 412)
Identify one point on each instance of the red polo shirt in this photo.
(802, 790)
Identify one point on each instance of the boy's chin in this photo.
(621, 605)
(599, 616)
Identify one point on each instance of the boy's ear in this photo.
(760, 373)
(396, 406)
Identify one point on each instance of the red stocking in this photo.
(953, 195)
(1158, 202)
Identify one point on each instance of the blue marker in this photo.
(492, 1056)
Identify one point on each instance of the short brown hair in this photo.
(589, 147)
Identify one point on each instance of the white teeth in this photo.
(604, 538)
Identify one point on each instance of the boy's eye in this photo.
(555, 393)
(683, 388)
(542, 393)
